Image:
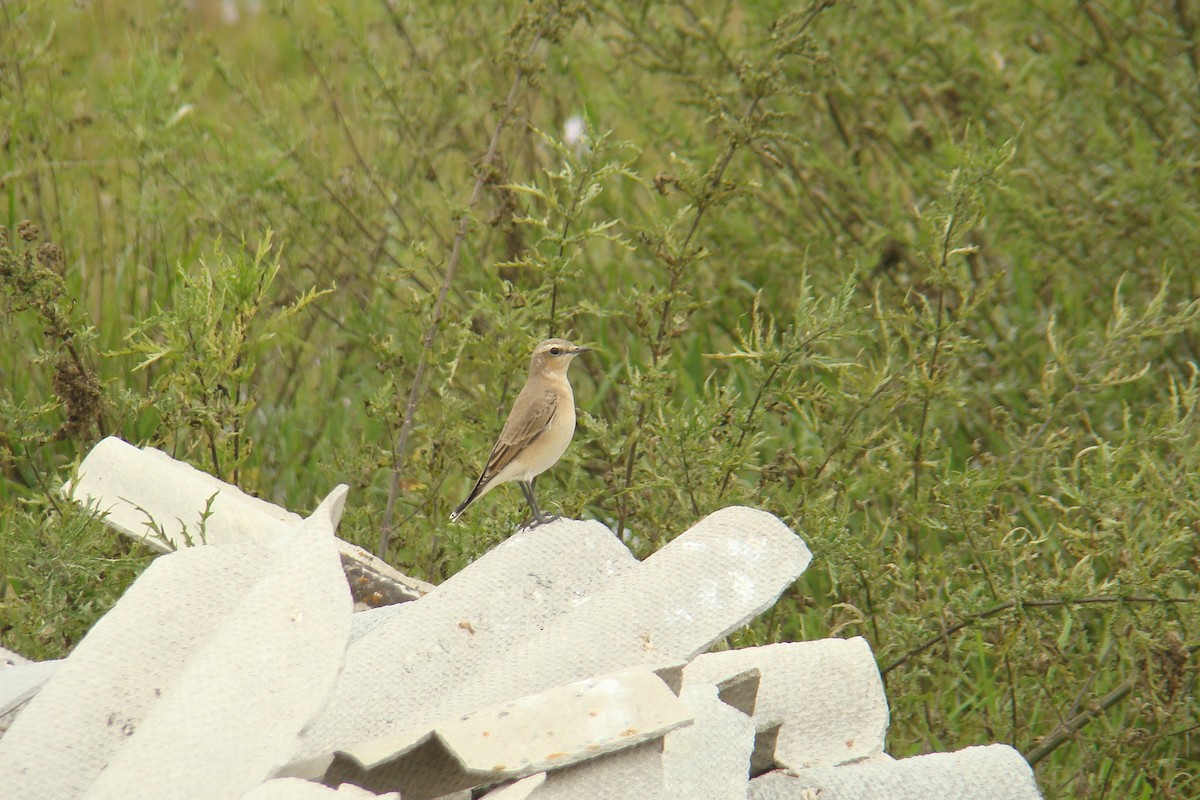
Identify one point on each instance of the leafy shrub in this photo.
(914, 277)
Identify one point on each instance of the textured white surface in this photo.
(200, 680)
(550, 730)
(134, 487)
(710, 580)
(63, 738)
(20, 682)
(995, 772)
(10, 659)
(263, 673)
(20, 679)
(710, 759)
(633, 774)
(827, 693)
(407, 662)
(425, 664)
(297, 789)
(170, 505)
(216, 655)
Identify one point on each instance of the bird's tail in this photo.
(471, 498)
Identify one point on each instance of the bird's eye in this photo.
(555, 351)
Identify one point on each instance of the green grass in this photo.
(915, 277)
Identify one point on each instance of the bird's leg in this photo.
(538, 517)
(527, 490)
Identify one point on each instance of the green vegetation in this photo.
(916, 277)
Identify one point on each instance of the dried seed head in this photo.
(28, 231)
(79, 389)
(51, 257)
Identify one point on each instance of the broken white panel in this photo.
(148, 495)
(995, 772)
(10, 659)
(299, 789)
(122, 669)
(406, 660)
(62, 739)
(709, 581)
(562, 726)
(170, 505)
(261, 675)
(826, 693)
(20, 682)
(710, 759)
(547, 731)
(633, 774)
(519, 790)
(369, 619)
(20, 679)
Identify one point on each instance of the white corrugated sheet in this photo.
(554, 666)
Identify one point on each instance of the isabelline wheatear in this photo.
(538, 430)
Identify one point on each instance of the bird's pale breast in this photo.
(544, 451)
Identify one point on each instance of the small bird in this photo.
(538, 430)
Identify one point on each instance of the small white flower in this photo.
(574, 130)
(182, 112)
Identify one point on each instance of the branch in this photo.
(1013, 604)
(657, 346)
(918, 448)
(1067, 729)
(514, 93)
(844, 435)
(762, 389)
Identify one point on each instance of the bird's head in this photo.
(553, 356)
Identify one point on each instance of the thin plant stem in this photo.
(460, 237)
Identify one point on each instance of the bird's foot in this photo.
(530, 524)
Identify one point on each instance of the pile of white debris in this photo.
(555, 666)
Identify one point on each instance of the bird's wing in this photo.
(520, 431)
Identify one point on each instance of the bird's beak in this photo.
(579, 350)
